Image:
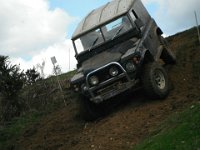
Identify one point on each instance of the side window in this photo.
(133, 15)
(79, 45)
(136, 19)
(117, 27)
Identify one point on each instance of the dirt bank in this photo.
(128, 124)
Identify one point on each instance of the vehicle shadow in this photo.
(129, 99)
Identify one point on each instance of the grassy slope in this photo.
(15, 128)
(12, 130)
(180, 132)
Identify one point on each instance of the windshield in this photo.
(116, 28)
(103, 34)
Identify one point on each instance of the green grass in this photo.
(180, 132)
(15, 128)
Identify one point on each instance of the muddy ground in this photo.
(128, 123)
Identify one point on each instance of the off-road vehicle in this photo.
(119, 47)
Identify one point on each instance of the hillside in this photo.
(135, 119)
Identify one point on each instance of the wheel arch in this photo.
(147, 57)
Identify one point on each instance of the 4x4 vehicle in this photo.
(119, 47)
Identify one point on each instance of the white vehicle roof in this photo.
(102, 15)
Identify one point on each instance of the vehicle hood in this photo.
(111, 55)
(100, 60)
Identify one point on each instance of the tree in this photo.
(11, 82)
(32, 76)
(41, 67)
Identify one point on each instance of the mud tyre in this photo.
(155, 81)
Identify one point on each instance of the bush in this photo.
(11, 82)
(32, 76)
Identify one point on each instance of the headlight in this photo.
(130, 67)
(113, 71)
(94, 80)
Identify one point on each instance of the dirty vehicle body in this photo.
(119, 47)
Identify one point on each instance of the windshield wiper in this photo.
(118, 31)
(94, 42)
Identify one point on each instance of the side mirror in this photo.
(139, 23)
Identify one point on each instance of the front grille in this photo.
(103, 74)
(108, 85)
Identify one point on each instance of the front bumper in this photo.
(111, 87)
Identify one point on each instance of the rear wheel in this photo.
(155, 81)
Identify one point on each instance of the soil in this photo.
(134, 119)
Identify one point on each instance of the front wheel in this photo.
(155, 81)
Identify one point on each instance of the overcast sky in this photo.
(35, 30)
